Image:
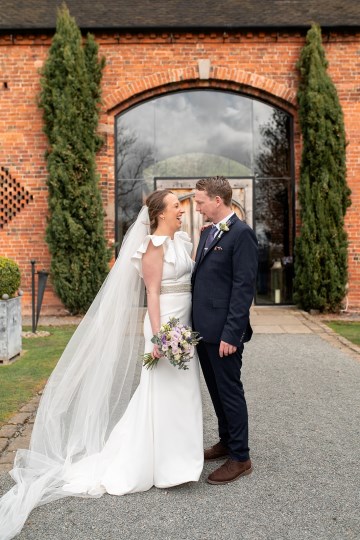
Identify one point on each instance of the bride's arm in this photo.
(152, 267)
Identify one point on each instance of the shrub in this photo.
(321, 248)
(9, 277)
(70, 99)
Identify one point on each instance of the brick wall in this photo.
(143, 65)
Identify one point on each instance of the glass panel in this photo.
(273, 212)
(187, 130)
(271, 141)
(273, 230)
(204, 133)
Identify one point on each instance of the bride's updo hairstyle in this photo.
(156, 204)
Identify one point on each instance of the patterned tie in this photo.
(210, 237)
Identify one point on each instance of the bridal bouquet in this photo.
(176, 342)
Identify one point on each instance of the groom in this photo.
(223, 284)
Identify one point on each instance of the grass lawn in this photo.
(20, 381)
(349, 330)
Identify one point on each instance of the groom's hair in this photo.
(216, 186)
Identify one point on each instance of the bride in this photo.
(90, 436)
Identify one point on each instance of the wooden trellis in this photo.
(13, 197)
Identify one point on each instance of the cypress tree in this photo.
(321, 248)
(70, 99)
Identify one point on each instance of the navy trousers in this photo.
(223, 379)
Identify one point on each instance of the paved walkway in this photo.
(302, 387)
(265, 320)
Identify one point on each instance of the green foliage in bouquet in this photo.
(176, 342)
(9, 277)
(70, 99)
(321, 248)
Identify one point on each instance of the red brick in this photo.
(140, 66)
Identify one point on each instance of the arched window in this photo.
(172, 140)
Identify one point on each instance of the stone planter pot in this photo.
(10, 329)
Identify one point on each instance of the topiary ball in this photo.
(9, 277)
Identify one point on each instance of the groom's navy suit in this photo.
(223, 285)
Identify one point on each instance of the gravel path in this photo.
(304, 406)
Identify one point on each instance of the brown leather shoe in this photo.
(230, 471)
(215, 452)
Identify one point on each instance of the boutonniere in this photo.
(224, 227)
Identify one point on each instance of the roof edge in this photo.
(187, 28)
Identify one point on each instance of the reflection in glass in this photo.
(274, 232)
(135, 155)
(273, 211)
(196, 165)
(204, 133)
(272, 136)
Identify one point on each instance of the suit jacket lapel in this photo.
(200, 255)
(200, 249)
(219, 235)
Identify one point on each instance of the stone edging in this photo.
(333, 336)
(17, 424)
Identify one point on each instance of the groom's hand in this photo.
(226, 349)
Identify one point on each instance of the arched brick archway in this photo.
(120, 102)
(223, 78)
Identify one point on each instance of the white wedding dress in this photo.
(159, 439)
(90, 434)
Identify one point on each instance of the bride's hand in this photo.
(156, 353)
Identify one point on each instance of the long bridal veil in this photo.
(87, 392)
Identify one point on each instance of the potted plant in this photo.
(10, 310)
